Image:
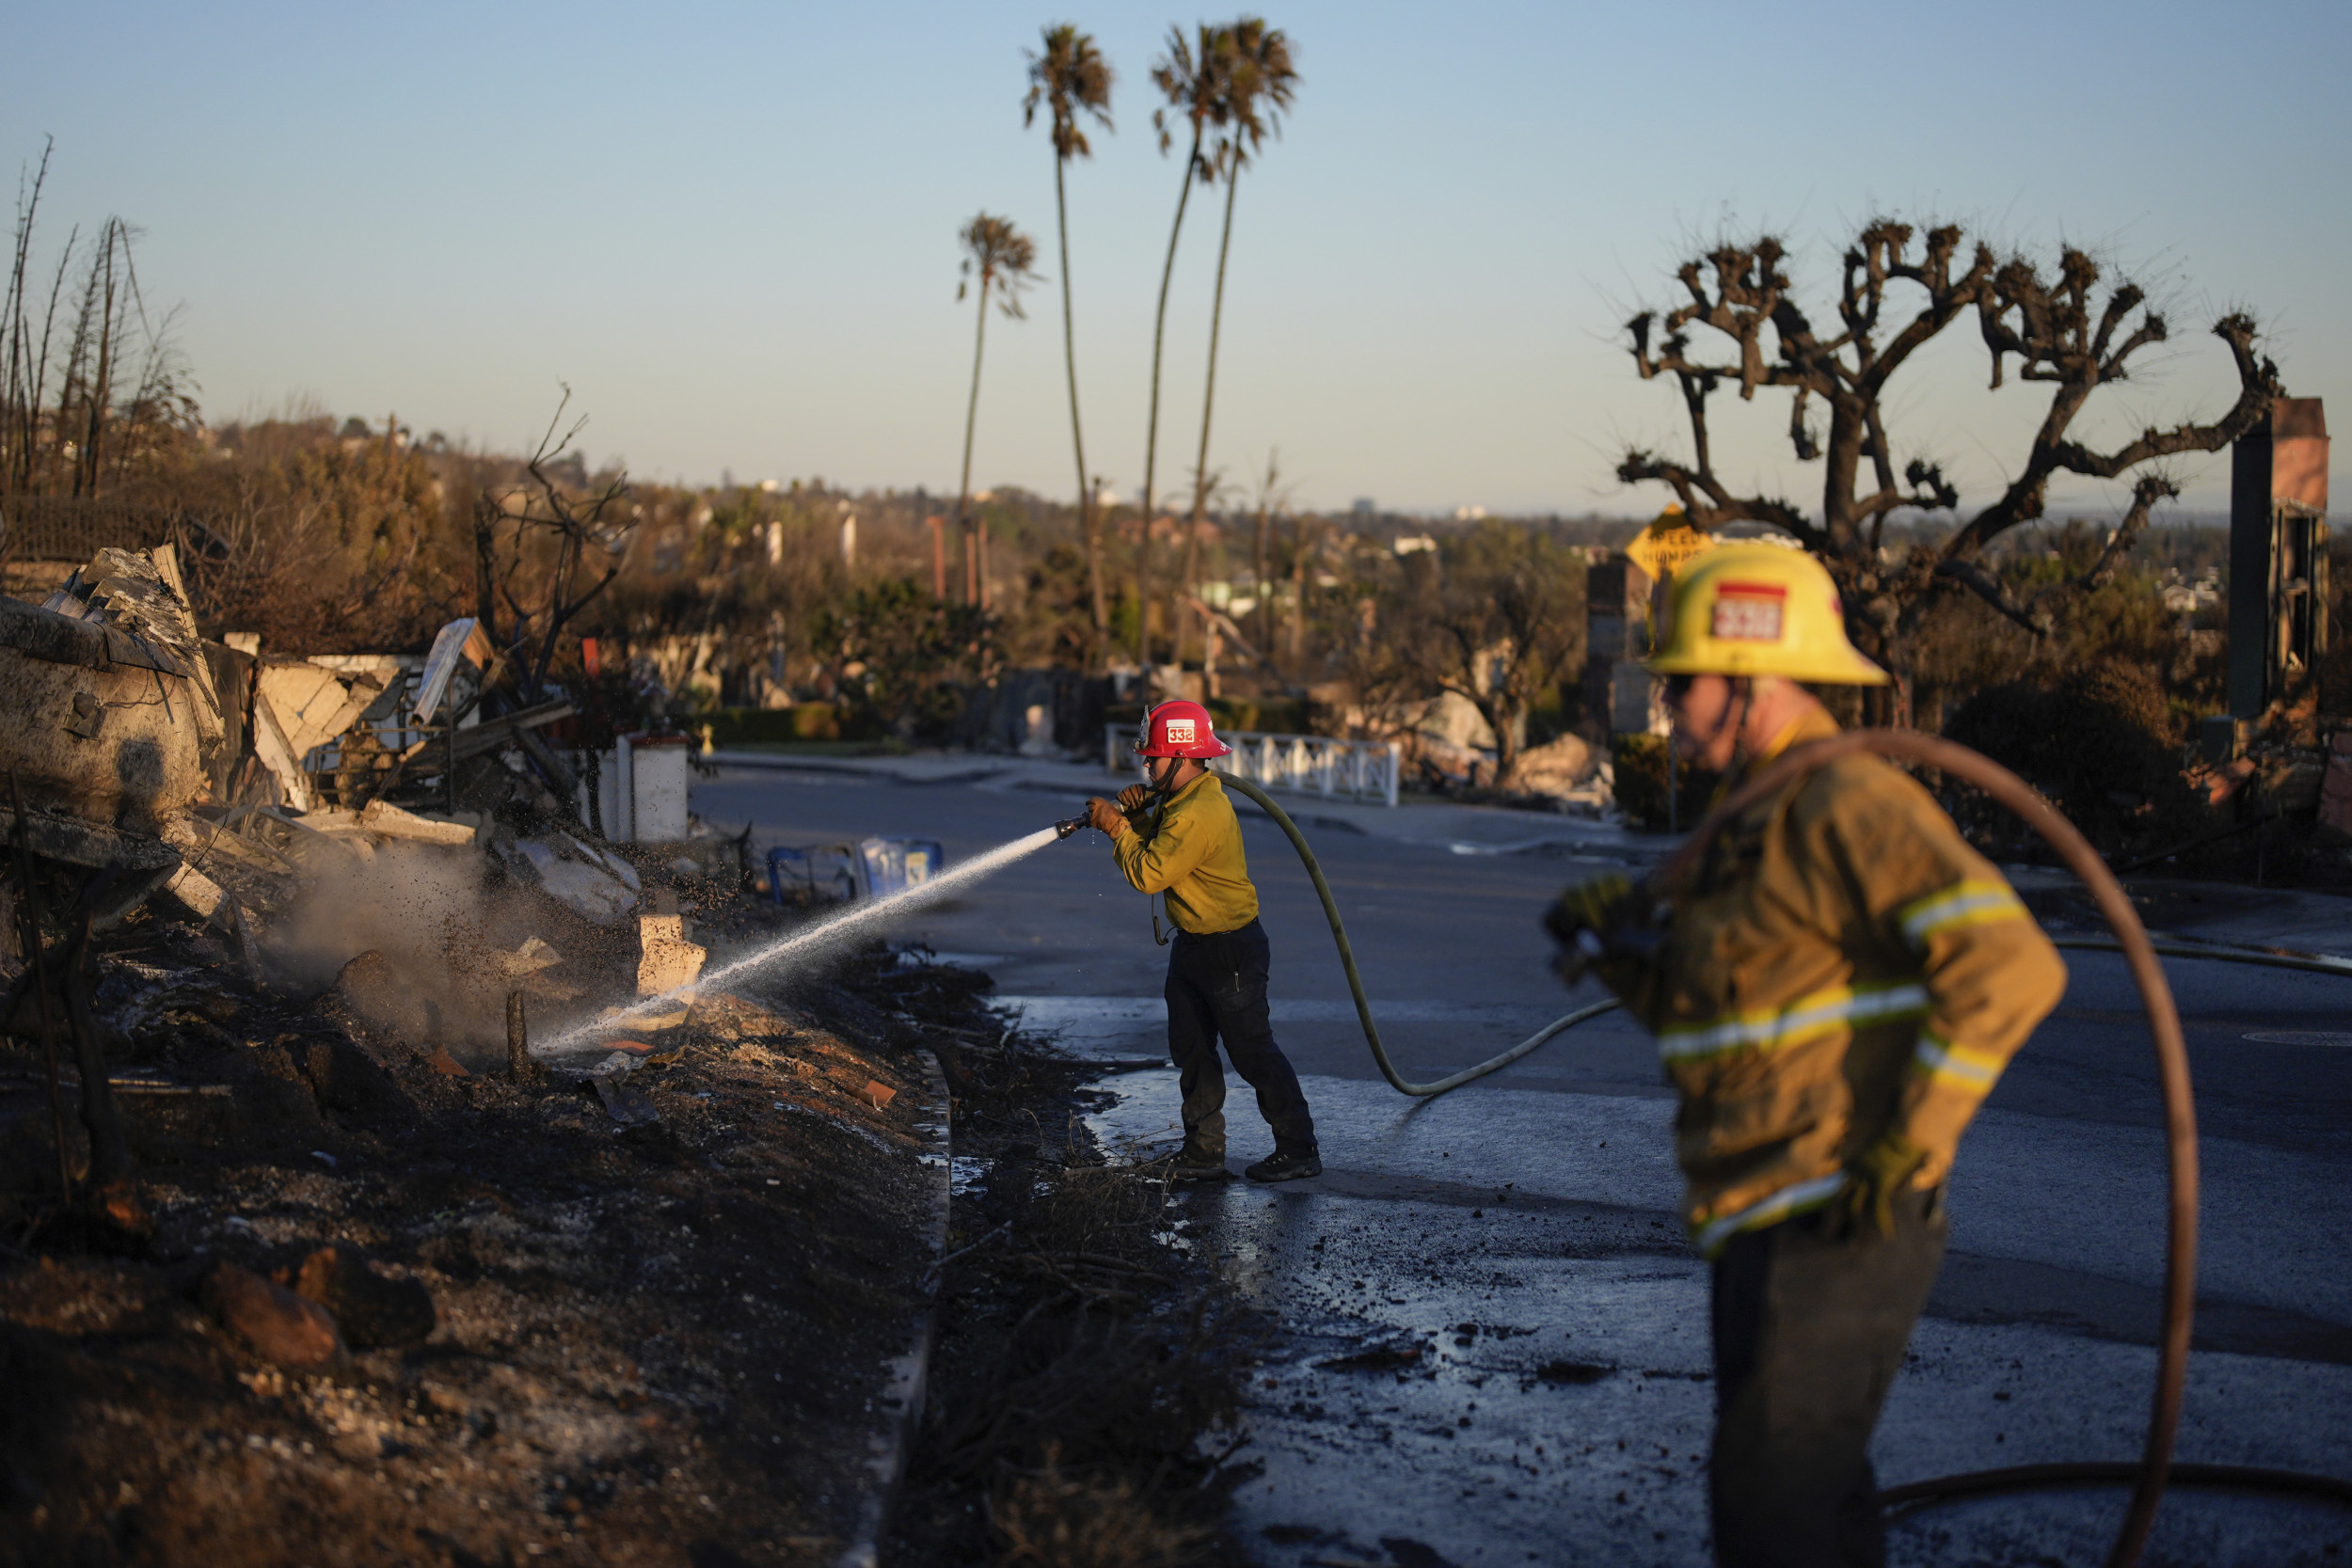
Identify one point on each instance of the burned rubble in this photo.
(311, 1248)
(379, 1185)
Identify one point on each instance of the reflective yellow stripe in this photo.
(1955, 1066)
(1807, 1016)
(1968, 902)
(1717, 1233)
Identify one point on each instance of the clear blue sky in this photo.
(732, 228)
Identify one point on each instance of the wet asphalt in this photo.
(1494, 1335)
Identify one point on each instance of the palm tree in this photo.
(1193, 84)
(1257, 84)
(1071, 76)
(1004, 260)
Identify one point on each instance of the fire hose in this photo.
(2154, 1467)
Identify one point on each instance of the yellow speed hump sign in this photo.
(1668, 544)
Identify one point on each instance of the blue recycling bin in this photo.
(895, 865)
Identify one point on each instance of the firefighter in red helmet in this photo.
(1176, 836)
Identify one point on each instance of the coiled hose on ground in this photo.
(2148, 1476)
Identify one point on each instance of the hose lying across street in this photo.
(2154, 1468)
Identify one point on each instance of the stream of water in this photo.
(815, 940)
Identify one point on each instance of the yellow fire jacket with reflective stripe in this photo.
(1841, 966)
(1193, 855)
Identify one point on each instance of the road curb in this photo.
(901, 1399)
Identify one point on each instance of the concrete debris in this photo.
(382, 816)
(669, 961)
(274, 749)
(530, 958)
(199, 893)
(598, 887)
(280, 1325)
(1555, 768)
(309, 703)
(105, 698)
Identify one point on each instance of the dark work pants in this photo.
(1216, 991)
(1809, 1332)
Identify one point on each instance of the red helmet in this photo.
(1180, 729)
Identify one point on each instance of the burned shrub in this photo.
(2100, 742)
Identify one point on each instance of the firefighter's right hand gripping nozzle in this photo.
(1611, 916)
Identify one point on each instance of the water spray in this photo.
(803, 946)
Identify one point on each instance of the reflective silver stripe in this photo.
(1772, 1029)
(1939, 1057)
(1965, 900)
(1717, 1232)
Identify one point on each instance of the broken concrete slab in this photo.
(56, 836)
(106, 710)
(532, 956)
(382, 816)
(668, 961)
(199, 893)
(274, 749)
(569, 871)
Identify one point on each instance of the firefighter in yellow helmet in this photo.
(1833, 994)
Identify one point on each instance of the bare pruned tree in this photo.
(1898, 291)
(554, 532)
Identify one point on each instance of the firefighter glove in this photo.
(1583, 919)
(1105, 817)
(1875, 1179)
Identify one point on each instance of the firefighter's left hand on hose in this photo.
(1105, 817)
(1582, 917)
(1134, 799)
(1874, 1179)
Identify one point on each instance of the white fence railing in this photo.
(1310, 764)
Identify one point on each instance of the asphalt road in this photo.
(1497, 1348)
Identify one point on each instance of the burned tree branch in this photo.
(1708, 504)
(2056, 324)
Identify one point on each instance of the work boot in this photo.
(1281, 1165)
(1192, 1164)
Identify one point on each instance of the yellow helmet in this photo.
(1759, 610)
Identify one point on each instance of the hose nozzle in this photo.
(1063, 830)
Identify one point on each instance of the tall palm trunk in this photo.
(1265, 590)
(1090, 525)
(964, 486)
(1151, 437)
(1208, 399)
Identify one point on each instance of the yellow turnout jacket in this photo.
(1194, 856)
(1842, 965)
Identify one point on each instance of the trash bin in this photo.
(814, 873)
(895, 865)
